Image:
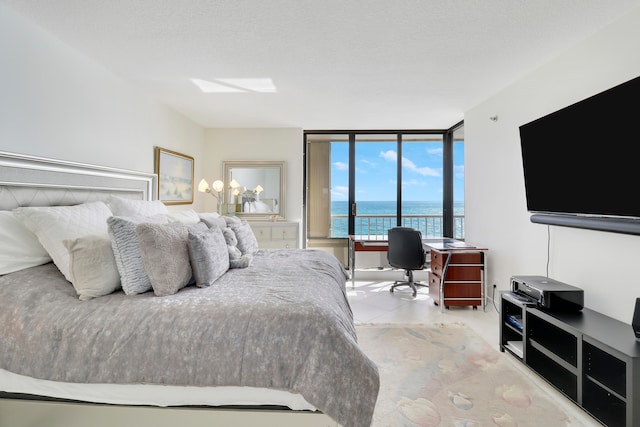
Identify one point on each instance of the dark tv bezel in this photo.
(587, 220)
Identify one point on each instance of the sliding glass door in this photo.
(327, 186)
(422, 184)
(375, 183)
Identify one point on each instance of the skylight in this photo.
(260, 85)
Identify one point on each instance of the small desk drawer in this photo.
(438, 260)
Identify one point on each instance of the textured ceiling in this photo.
(336, 64)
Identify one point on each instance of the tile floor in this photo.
(372, 302)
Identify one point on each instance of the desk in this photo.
(364, 244)
(381, 244)
(458, 274)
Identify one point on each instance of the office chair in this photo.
(406, 252)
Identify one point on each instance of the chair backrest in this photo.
(405, 248)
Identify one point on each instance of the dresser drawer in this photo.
(278, 244)
(262, 233)
(287, 232)
(275, 234)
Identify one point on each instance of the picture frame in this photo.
(175, 177)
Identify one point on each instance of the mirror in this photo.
(254, 189)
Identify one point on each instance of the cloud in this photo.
(341, 166)
(392, 156)
(340, 192)
(389, 155)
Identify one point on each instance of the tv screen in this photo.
(581, 159)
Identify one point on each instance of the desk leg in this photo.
(442, 282)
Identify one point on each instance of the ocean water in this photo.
(375, 218)
(389, 208)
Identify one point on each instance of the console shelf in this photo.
(591, 358)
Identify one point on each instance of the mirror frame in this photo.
(228, 165)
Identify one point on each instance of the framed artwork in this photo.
(175, 177)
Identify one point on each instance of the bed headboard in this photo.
(37, 181)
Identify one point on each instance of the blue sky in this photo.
(376, 171)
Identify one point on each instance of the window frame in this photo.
(448, 171)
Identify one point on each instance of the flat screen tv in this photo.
(580, 163)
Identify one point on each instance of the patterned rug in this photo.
(447, 375)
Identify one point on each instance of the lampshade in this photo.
(234, 183)
(203, 186)
(258, 189)
(218, 186)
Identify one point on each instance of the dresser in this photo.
(457, 276)
(276, 234)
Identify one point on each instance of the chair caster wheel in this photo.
(475, 307)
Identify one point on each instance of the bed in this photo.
(277, 333)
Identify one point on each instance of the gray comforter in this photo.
(283, 323)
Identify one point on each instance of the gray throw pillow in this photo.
(213, 218)
(126, 250)
(165, 255)
(208, 255)
(247, 242)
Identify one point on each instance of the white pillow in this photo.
(261, 207)
(20, 248)
(55, 224)
(185, 217)
(92, 266)
(130, 207)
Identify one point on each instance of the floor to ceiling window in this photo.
(364, 183)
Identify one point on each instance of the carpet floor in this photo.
(447, 375)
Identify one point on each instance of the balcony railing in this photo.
(371, 226)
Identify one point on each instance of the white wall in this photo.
(56, 102)
(604, 264)
(284, 144)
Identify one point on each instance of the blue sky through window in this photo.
(376, 171)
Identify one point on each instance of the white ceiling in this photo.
(336, 64)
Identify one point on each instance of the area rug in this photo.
(447, 375)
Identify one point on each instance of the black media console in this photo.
(591, 358)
